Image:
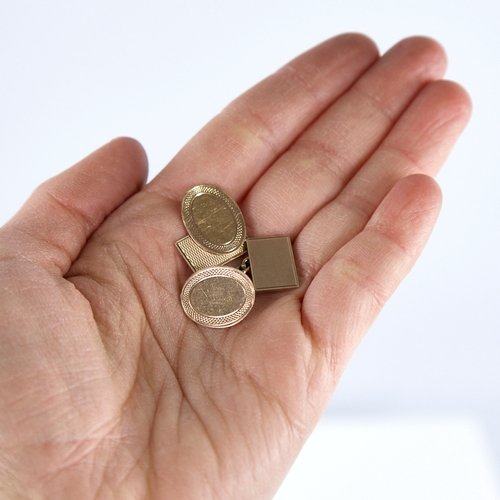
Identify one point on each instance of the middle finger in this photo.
(328, 154)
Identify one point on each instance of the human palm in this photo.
(108, 390)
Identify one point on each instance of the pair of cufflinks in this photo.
(219, 294)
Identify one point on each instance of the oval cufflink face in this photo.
(218, 297)
(213, 220)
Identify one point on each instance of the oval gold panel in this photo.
(218, 297)
(212, 219)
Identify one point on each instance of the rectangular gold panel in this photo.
(272, 263)
(198, 259)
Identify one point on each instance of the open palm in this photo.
(108, 390)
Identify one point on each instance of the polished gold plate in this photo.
(218, 297)
(272, 263)
(213, 220)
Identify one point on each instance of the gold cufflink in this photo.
(217, 295)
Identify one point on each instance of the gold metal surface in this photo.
(218, 297)
(213, 220)
(198, 259)
(272, 263)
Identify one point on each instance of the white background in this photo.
(75, 74)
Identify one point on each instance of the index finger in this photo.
(238, 145)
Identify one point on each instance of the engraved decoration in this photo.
(213, 219)
(218, 297)
(198, 258)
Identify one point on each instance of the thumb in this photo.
(55, 222)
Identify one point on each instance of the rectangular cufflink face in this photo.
(272, 263)
(198, 259)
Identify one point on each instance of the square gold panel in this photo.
(198, 258)
(272, 263)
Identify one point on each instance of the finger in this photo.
(348, 293)
(58, 218)
(419, 143)
(235, 148)
(323, 159)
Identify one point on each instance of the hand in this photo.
(108, 390)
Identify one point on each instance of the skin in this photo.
(107, 390)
